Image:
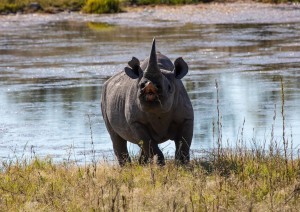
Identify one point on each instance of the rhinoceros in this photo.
(147, 104)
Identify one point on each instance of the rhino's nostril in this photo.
(150, 88)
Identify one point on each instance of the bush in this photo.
(11, 7)
(102, 6)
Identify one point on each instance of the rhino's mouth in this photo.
(151, 96)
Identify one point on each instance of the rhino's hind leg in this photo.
(143, 158)
(183, 142)
(182, 154)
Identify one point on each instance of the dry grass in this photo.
(238, 180)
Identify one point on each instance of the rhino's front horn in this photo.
(152, 69)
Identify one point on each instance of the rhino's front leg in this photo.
(183, 142)
(119, 144)
(120, 149)
(149, 148)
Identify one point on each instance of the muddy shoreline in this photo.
(213, 13)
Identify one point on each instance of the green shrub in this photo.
(11, 7)
(102, 6)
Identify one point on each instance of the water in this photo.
(52, 71)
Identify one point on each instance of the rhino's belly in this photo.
(162, 137)
(158, 133)
(161, 133)
(125, 132)
(164, 131)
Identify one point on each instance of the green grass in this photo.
(12, 6)
(102, 6)
(52, 6)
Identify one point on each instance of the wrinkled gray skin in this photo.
(147, 104)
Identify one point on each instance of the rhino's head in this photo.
(156, 84)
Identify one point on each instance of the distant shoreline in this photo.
(165, 16)
(41, 7)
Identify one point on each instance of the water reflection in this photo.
(51, 76)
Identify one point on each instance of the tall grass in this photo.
(262, 178)
(250, 181)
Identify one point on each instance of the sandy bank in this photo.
(214, 13)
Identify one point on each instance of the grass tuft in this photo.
(102, 6)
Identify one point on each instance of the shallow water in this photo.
(52, 71)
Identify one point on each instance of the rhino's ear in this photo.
(133, 71)
(181, 68)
